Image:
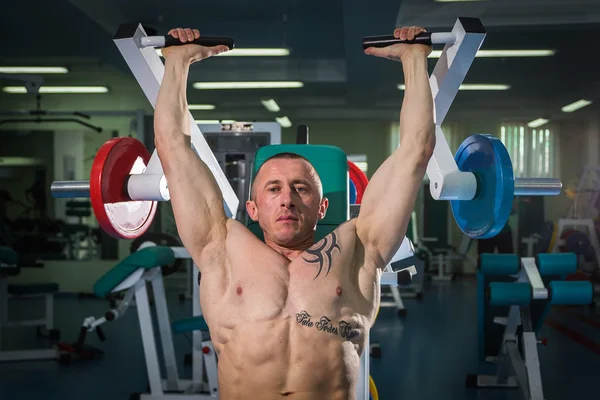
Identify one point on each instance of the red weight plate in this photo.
(119, 216)
(360, 180)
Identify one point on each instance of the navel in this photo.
(338, 291)
(239, 290)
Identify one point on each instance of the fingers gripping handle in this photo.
(427, 38)
(166, 41)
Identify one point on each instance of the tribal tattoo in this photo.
(343, 329)
(322, 251)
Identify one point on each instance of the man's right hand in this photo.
(190, 52)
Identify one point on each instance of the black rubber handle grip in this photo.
(100, 334)
(404, 279)
(81, 339)
(388, 40)
(110, 315)
(207, 41)
(302, 134)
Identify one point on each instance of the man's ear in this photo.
(252, 210)
(323, 208)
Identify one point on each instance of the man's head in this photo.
(287, 199)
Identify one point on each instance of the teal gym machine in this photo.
(514, 296)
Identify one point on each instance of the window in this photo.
(534, 152)
(360, 160)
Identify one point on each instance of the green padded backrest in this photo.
(146, 258)
(331, 164)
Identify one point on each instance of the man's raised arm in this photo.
(389, 199)
(195, 196)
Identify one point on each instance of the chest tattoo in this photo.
(323, 253)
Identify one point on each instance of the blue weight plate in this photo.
(352, 188)
(485, 215)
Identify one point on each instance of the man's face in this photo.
(287, 203)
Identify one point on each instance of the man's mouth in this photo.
(287, 218)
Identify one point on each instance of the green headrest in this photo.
(331, 164)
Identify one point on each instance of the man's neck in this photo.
(291, 252)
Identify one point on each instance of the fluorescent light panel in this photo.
(33, 70)
(248, 85)
(270, 105)
(57, 89)
(284, 122)
(576, 105)
(474, 86)
(201, 107)
(504, 53)
(537, 123)
(265, 52)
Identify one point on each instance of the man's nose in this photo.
(287, 198)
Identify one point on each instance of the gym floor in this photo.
(425, 355)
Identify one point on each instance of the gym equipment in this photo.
(132, 276)
(10, 264)
(517, 293)
(478, 180)
(139, 179)
(359, 179)
(158, 239)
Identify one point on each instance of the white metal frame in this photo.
(446, 181)
(148, 69)
(47, 322)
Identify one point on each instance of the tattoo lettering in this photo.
(347, 331)
(325, 325)
(303, 318)
(322, 252)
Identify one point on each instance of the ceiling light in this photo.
(204, 107)
(537, 123)
(267, 52)
(504, 53)
(58, 89)
(247, 85)
(33, 70)
(475, 86)
(576, 106)
(270, 105)
(214, 121)
(284, 122)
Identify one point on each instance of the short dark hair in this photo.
(287, 156)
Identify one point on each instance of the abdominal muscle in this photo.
(281, 359)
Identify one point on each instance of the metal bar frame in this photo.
(148, 69)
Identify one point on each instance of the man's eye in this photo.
(273, 189)
(301, 189)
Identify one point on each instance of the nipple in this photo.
(338, 291)
(239, 291)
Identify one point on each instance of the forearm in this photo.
(417, 128)
(171, 116)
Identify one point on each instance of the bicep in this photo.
(387, 206)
